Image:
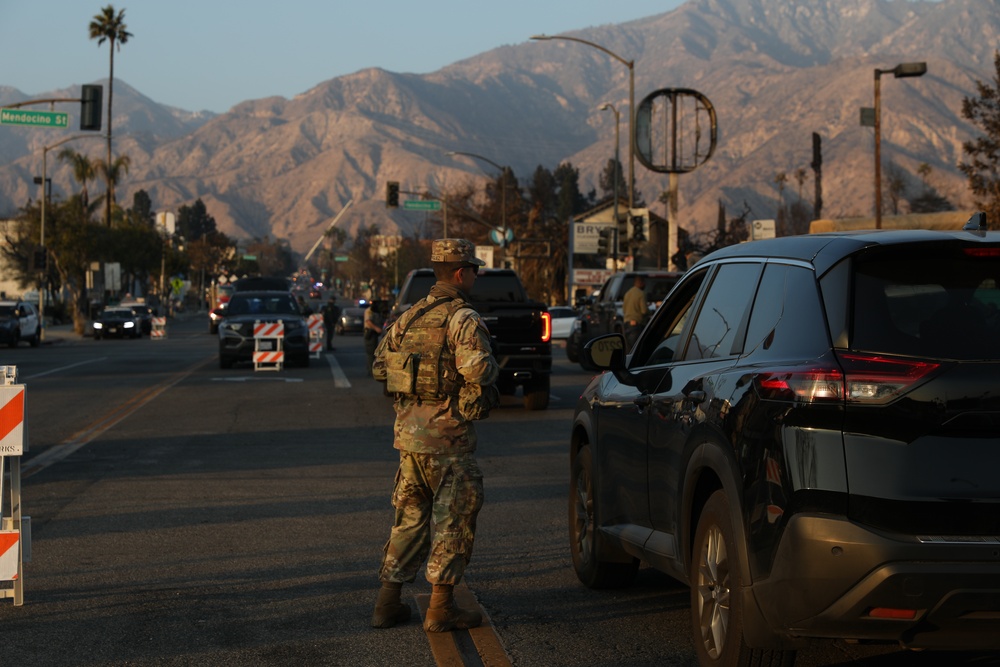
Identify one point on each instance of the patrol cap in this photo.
(455, 250)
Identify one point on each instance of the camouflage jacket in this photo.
(436, 425)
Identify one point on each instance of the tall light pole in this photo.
(41, 239)
(900, 71)
(503, 184)
(605, 107)
(631, 105)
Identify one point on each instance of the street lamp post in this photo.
(900, 71)
(605, 107)
(503, 183)
(44, 179)
(631, 105)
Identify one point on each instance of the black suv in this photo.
(245, 310)
(807, 433)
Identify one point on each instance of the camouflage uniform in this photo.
(439, 487)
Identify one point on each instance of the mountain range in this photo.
(775, 72)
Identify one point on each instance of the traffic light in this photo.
(90, 107)
(638, 228)
(392, 194)
(604, 241)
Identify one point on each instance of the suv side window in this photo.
(663, 339)
(788, 319)
(718, 331)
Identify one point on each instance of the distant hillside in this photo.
(775, 71)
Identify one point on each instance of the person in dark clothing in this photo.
(331, 314)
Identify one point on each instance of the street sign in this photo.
(340, 258)
(501, 236)
(421, 205)
(585, 236)
(39, 118)
(250, 258)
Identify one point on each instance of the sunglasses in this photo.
(475, 268)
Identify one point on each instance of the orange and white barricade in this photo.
(317, 335)
(268, 346)
(159, 329)
(15, 529)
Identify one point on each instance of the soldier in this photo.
(331, 313)
(437, 361)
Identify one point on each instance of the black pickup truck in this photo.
(520, 328)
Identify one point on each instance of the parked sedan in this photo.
(245, 309)
(117, 322)
(352, 320)
(19, 321)
(806, 434)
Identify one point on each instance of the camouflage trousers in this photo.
(437, 499)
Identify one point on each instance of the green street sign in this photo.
(250, 258)
(38, 118)
(421, 205)
(340, 258)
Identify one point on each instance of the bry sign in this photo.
(37, 118)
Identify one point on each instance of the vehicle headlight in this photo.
(231, 326)
(98, 325)
(129, 325)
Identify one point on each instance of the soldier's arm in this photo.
(471, 341)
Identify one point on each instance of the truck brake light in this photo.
(546, 327)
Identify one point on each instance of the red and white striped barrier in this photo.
(159, 329)
(269, 344)
(269, 330)
(317, 335)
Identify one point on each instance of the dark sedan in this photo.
(247, 309)
(806, 434)
(117, 322)
(351, 320)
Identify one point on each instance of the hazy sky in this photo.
(213, 54)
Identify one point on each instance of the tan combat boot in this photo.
(444, 615)
(389, 608)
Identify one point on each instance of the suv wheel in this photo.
(716, 601)
(584, 539)
(36, 340)
(15, 336)
(536, 394)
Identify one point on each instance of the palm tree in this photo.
(113, 176)
(111, 27)
(83, 171)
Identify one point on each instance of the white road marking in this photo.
(340, 380)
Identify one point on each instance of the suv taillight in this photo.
(867, 379)
(546, 327)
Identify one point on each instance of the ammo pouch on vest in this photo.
(421, 365)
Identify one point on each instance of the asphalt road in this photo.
(186, 515)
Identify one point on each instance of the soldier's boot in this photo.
(444, 615)
(389, 608)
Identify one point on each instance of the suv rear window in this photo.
(940, 302)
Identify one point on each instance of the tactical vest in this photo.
(424, 365)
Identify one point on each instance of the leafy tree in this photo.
(142, 209)
(983, 169)
(606, 181)
(84, 171)
(107, 26)
(194, 222)
(113, 175)
(569, 200)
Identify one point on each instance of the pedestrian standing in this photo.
(331, 314)
(374, 320)
(437, 362)
(635, 309)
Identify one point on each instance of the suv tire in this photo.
(536, 394)
(584, 538)
(15, 337)
(716, 598)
